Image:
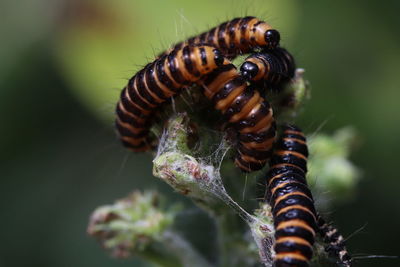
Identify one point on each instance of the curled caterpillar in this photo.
(336, 244)
(291, 201)
(271, 68)
(244, 110)
(156, 83)
(237, 36)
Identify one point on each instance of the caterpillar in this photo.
(242, 106)
(270, 68)
(291, 201)
(245, 111)
(336, 244)
(156, 83)
(235, 37)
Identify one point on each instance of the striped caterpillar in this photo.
(291, 201)
(249, 114)
(156, 83)
(295, 218)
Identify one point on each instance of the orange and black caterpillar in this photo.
(291, 201)
(269, 68)
(245, 111)
(336, 244)
(156, 83)
(237, 36)
(242, 107)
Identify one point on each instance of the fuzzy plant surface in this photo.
(200, 169)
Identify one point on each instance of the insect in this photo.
(156, 83)
(244, 110)
(270, 69)
(235, 37)
(336, 243)
(291, 201)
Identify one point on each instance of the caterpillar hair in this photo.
(237, 36)
(291, 201)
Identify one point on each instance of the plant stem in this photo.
(183, 250)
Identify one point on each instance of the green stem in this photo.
(174, 251)
(231, 243)
(177, 245)
(223, 240)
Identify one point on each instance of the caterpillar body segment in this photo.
(156, 83)
(292, 204)
(237, 36)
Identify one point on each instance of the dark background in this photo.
(62, 66)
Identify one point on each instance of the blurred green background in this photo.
(63, 63)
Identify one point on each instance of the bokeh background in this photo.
(63, 63)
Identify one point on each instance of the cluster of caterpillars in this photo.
(239, 95)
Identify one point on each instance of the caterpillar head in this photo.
(249, 70)
(272, 38)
